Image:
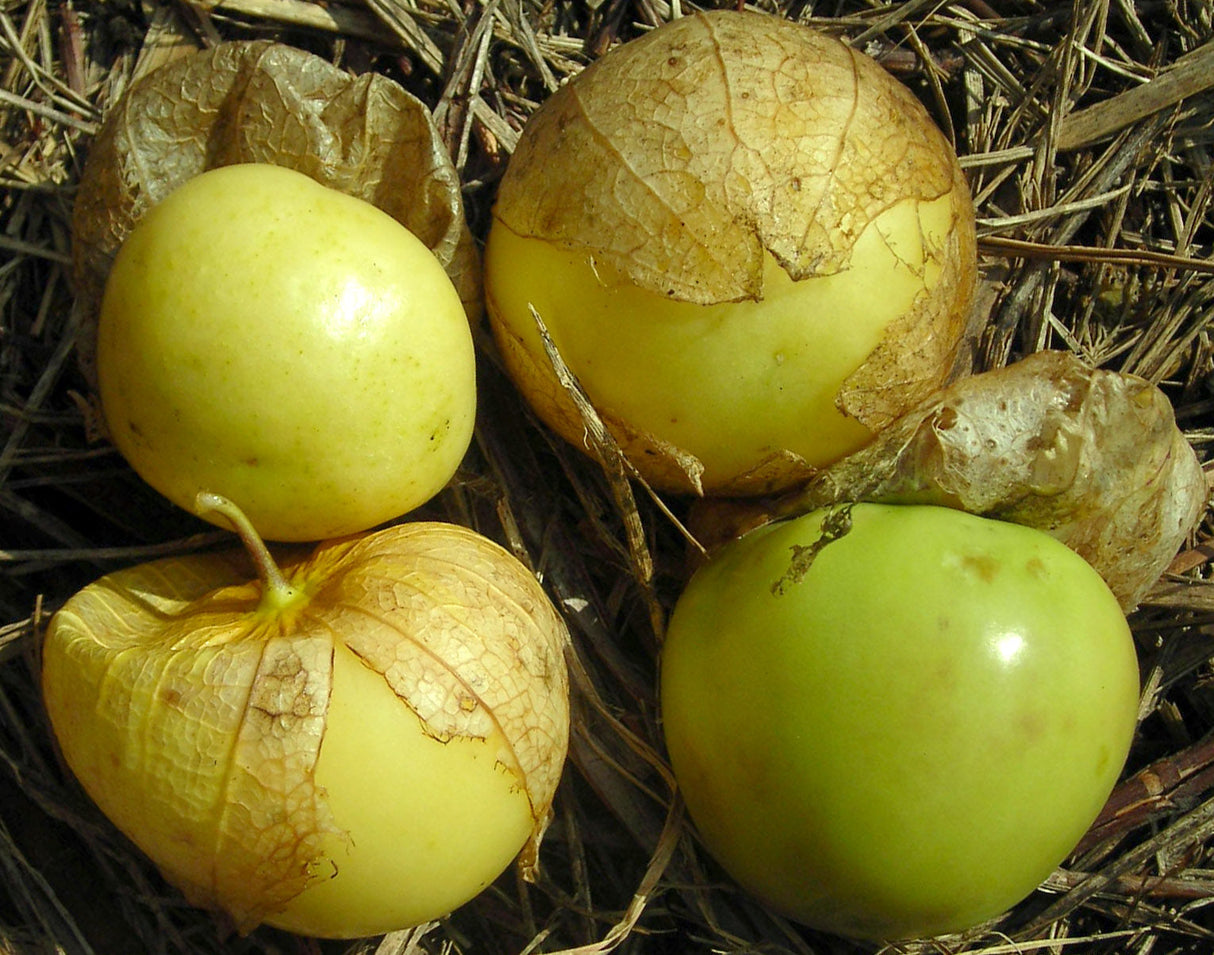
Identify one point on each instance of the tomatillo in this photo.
(288, 346)
(895, 721)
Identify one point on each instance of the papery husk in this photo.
(683, 155)
(194, 717)
(1092, 457)
(259, 101)
(678, 161)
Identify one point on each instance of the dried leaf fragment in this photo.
(258, 101)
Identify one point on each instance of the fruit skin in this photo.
(428, 822)
(288, 346)
(902, 732)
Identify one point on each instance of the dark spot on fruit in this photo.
(982, 566)
(1031, 726)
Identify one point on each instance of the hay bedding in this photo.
(1086, 129)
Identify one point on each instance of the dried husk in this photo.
(195, 721)
(259, 101)
(658, 184)
(1090, 456)
(680, 159)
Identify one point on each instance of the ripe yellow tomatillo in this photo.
(747, 241)
(355, 743)
(288, 346)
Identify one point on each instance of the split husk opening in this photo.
(260, 101)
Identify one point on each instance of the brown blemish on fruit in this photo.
(982, 566)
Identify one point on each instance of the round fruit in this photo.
(353, 742)
(288, 346)
(747, 241)
(895, 721)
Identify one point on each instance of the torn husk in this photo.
(1092, 457)
(258, 101)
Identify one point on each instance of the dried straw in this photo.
(1086, 130)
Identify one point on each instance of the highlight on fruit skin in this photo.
(360, 745)
(261, 101)
(750, 245)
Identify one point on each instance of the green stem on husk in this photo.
(277, 593)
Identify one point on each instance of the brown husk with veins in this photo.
(1092, 457)
(688, 154)
(258, 101)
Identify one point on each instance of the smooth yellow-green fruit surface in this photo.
(734, 383)
(288, 346)
(896, 721)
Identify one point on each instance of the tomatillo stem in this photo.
(279, 594)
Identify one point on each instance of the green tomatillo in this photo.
(895, 721)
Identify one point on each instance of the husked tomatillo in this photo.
(750, 245)
(894, 721)
(289, 346)
(356, 743)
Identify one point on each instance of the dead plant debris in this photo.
(1086, 130)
